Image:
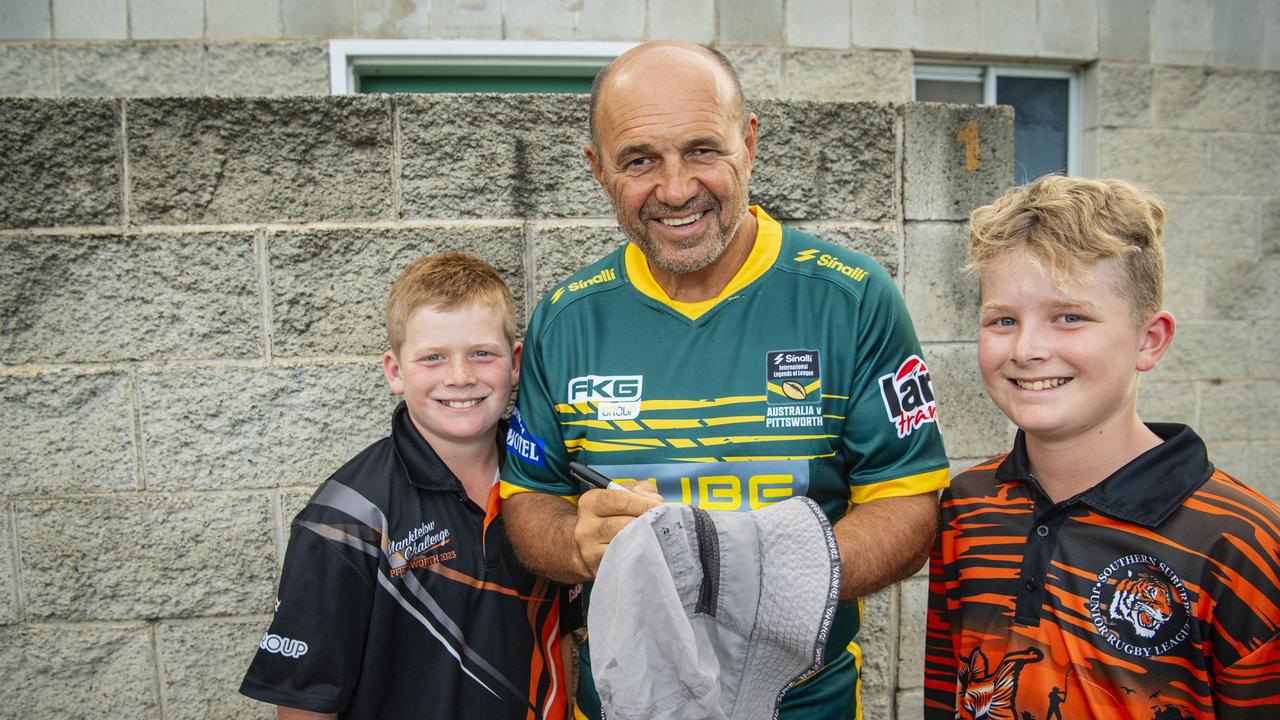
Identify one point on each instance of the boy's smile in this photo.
(1061, 362)
(455, 369)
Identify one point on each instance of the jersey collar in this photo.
(422, 466)
(1144, 492)
(764, 253)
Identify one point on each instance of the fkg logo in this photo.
(908, 396)
(617, 397)
(605, 388)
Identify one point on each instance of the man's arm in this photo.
(884, 541)
(556, 541)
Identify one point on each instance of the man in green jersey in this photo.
(733, 361)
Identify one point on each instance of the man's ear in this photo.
(1157, 335)
(749, 136)
(391, 371)
(596, 168)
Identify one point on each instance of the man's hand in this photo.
(601, 516)
(549, 535)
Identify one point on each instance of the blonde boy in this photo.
(1103, 568)
(400, 595)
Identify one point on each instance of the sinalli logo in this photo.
(830, 261)
(908, 396)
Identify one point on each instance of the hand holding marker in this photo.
(584, 474)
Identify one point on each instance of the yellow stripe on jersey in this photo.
(616, 445)
(733, 420)
(901, 487)
(734, 439)
(761, 458)
(763, 254)
(681, 443)
(595, 424)
(673, 424)
(506, 490)
(628, 425)
(651, 405)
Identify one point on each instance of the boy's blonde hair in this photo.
(447, 282)
(1065, 224)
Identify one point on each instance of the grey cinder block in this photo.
(1239, 411)
(818, 161)
(496, 156)
(65, 432)
(690, 20)
(1124, 95)
(942, 298)
(1237, 34)
(318, 18)
(329, 287)
(25, 20)
(1166, 161)
(241, 19)
(1243, 289)
(471, 19)
(239, 428)
(204, 662)
(227, 160)
(129, 69)
(1243, 164)
(878, 636)
(1181, 32)
(752, 22)
(109, 297)
(561, 250)
(914, 593)
(1207, 350)
(1124, 30)
(281, 68)
(1264, 356)
(87, 671)
(144, 557)
(972, 425)
(851, 75)
(957, 157)
(26, 71)
(1168, 402)
(759, 70)
(1068, 28)
(59, 163)
(1207, 99)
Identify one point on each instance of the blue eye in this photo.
(1005, 322)
(1070, 318)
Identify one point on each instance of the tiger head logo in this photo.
(1144, 602)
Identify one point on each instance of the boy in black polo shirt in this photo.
(400, 595)
(1103, 568)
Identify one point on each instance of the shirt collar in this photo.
(1146, 490)
(422, 466)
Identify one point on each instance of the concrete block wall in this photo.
(191, 293)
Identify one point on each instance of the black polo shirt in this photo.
(402, 598)
(1155, 593)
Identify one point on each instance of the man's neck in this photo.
(1067, 468)
(708, 282)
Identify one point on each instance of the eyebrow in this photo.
(1063, 304)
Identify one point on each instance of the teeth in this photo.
(460, 404)
(677, 222)
(1042, 384)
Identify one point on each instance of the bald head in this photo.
(654, 61)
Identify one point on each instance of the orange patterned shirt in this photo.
(1154, 594)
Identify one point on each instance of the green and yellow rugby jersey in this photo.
(804, 377)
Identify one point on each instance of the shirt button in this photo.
(1031, 586)
(1042, 531)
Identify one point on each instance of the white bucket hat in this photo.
(701, 615)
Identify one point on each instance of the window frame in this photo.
(988, 74)
(350, 59)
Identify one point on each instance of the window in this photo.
(1046, 120)
(357, 66)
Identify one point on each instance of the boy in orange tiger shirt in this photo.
(1102, 568)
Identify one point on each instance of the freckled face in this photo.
(1060, 362)
(674, 159)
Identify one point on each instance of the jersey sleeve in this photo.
(310, 656)
(891, 430)
(536, 459)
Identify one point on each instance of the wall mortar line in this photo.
(157, 665)
(899, 202)
(134, 404)
(397, 201)
(19, 597)
(124, 165)
(264, 293)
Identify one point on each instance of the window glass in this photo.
(1040, 124)
(949, 91)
